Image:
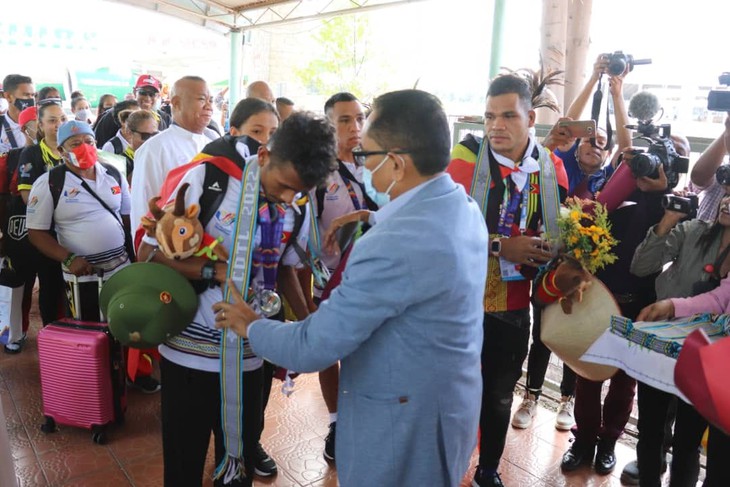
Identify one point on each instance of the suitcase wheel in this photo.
(49, 426)
(98, 435)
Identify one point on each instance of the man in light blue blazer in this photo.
(412, 292)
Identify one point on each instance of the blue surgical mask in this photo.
(380, 199)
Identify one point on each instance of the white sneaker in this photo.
(564, 421)
(523, 416)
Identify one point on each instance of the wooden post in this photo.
(576, 49)
(552, 48)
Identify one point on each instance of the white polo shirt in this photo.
(17, 131)
(83, 226)
(158, 156)
(337, 202)
(202, 330)
(109, 146)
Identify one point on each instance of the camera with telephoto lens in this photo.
(661, 152)
(719, 100)
(681, 204)
(618, 61)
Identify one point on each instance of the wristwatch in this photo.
(207, 273)
(495, 246)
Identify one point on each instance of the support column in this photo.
(234, 79)
(495, 60)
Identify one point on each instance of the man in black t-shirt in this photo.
(146, 91)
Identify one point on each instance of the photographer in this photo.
(703, 175)
(585, 158)
(699, 255)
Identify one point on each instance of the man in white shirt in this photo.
(192, 109)
(19, 92)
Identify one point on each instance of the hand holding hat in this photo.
(147, 303)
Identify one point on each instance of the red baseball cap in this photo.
(147, 80)
(27, 115)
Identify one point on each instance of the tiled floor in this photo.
(294, 436)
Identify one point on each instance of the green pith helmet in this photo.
(147, 303)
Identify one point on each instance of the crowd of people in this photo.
(407, 268)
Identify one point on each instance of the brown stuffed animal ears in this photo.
(192, 211)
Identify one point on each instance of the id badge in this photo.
(509, 271)
(320, 273)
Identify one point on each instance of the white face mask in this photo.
(83, 115)
(3, 105)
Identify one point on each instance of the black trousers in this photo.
(191, 410)
(689, 426)
(29, 263)
(538, 360)
(506, 335)
(718, 452)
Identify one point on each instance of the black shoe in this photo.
(484, 480)
(265, 465)
(605, 457)
(329, 442)
(145, 383)
(630, 473)
(577, 456)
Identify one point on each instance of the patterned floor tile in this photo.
(62, 466)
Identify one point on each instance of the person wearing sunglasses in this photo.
(147, 94)
(137, 127)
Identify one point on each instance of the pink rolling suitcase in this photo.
(82, 374)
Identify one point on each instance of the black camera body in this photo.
(687, 205)
(661, 152)
(722, 174)
(719, 100)
(618, 61)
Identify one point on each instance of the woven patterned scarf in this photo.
(232, 346)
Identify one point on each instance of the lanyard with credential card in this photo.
(509, 270)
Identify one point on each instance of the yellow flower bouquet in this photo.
(585, 234)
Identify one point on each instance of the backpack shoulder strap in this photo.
(118, 148)
(215, 185)
(56, 178)
(113, 172)
(319, 195)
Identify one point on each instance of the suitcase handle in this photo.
(76, 296)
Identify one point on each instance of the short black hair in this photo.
(123, 105)
(282, 100)
(415, 121)
(308, 143)
(12, 81)
(511, 83)
(248, 107)
(45, 91)
(337, 98)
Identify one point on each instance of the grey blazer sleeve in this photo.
(375, 287)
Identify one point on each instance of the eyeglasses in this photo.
(145, 135)
(150, 93)
(359, 156)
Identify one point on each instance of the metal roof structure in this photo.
(225, 16)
